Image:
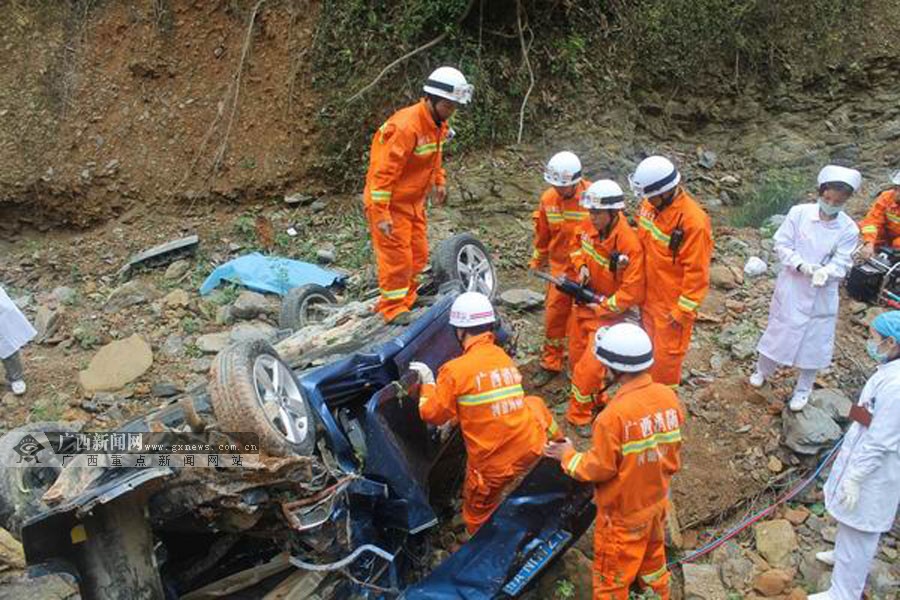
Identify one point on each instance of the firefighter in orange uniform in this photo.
(556, 221)
(881, 227)
(609, 260)
(677, 238)
(404, 166)
(504, 431)
(635, 450)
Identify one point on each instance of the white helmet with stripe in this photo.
(838, 174)
(471, 309)
(653, 176)
(624, 347)
(563, 169)
(603, 195)
(450, 84)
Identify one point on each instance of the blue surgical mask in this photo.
(828, 209)
(877, 355)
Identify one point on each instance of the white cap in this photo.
(624, 347)
(653, 176)
(838, 174)
(603, 195)
(449, 83)
(471, 309)
(563, 169)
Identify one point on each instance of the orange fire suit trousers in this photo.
(557, 312)
(483, 491)
(627, 553)
(587, 373)
(670, 345)
(400, 258)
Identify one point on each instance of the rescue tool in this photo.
(581, 293)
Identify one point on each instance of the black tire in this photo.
(22, 488)
(448, 255)
(295, 308)
(236, 400)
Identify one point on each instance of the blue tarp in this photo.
(270, 274)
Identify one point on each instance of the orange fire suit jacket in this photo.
(404, 162)
(623, 288)
(482, 390)
(635, 450)
(882, 223)
(676, 283)
(556, 223)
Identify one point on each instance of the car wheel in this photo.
(22, 488)
(253, 390)
(304, 306)
(464, 259)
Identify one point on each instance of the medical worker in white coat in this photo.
(15, 332)
(863, 488)
(814, 244)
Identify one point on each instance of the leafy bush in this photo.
(774, 195)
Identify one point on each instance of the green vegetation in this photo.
(775, 194)
(602, 50)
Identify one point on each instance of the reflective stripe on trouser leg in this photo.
(587, 381)
(622, 554)
(393, 258)
(557, 310)
(854, 552)
(12, 364)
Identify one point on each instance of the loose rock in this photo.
(11, 552)
(253, 330)
(212, 343)
(774, 464)
(251, 305)
(772, 582)
(722, 277)
(177, 270)
(200, 365)
(177, 299)
(117, 364)
(702, 582)
(808, 431)
(173, 347)
(64, 295)
(833, 402)
(130, 294)
(522, 299)
(775, 541)
(325, 256)
(165, 389)
(47, 322)
(796, 516)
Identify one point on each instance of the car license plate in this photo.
(536, 562)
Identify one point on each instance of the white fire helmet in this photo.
(563, 169)
(471, 309)
(449, 83)
(624, 347)
(653, 176)
(603, 195)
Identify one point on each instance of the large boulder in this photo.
(809, 431)
(775, 541)
(834, 402)
(117, 364)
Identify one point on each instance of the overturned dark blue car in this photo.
(350, 498)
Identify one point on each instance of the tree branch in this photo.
(519, 11)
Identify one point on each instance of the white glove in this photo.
(807, 270)
(849, 492)
(820, 277)
(425, 374)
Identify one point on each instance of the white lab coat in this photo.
(874, 452)
(15, 330)
(802, 318)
